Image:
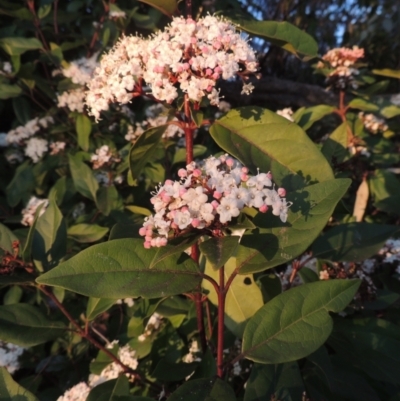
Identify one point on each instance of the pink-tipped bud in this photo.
(191, 61)
(174, 225)
(244, 177)
(209, 88)
(182, 173)
(263, 209)
(165, 197)
(195, 223)
(218, 69)
(214, 204)
(196, 172)
(168, 182)
(217, 45)
(229, 162)
(215, 76)
(186, 66)
(147, 244)
(184, 209)
(209, 71)
(182, 191)
(269, 175)
(245, 170)
(163, 241)
(193, 40)
(142, 231)
(281, 192)
(217, 195)
(158, 68)
(148, 238)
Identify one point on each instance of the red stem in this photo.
(221, 317)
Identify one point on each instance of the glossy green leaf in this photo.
(107, 199)
(83, 128)
(219, 250)
(180, 154)
(213, 389)
(167, 7)
(320, 358)
(7, 238)
(386, 72)
(144, 148)
(17, 46)
(26, 325)
(21, 186)
(50, 238)
(297, 322)
(243, 299)
(122, 269)
(361, 104)
(97, 306)
(85, 233)
(279, 382)
(335, 146)
(353, 242)
(308, 116)
(111, 390)
(282, 34)
(13, 295)
(9, 91)
(260, 138)
(139, 210)
(275, 242)
(390, 111)
(83, 178)
(10, 390)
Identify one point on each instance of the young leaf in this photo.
(83, 128)
(276, 242)
(84, 181)
(213, 389)
(122, 269)
(280, 382)
(17, 46)
(296, 323)
(11, 390)
(219, 250)
(352, 241)
(243, 299)
(386, 72)
(25, 325)
(144, 148)
(260, 138)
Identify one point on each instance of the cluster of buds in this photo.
(341, 62)
(372, 123)
(103, 157)
(188, 56)
(208, 196)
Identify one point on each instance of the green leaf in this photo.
(282, 34)
(180, 154)
(13, 295)
(139, 210)
(11, 390)
(276, 242)
(213, 389)
(122, 269)
(270, 285)
(219, 250)
(85, 233)
(83, 128)
(172, 372)
(22, 185)
(83, 178)
(279, 382)
(110, 390)
(17, 278)
(243, 299)
(296, 323)
(167, 7)
(107, 199)
(25, 325)
(17, 46)
(310, 115)
(50, 238)
(144, 148)
(353, 242)
(386, 72)
(97, 306)
(22, 109)
(259, 138)
(390, 111)
(9, 91)
(6, 239)
(361, 104)
(44, 11)
(335, 147)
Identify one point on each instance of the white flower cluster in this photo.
(152, 325)
(24, 136)
(103, 157)
(189, 55)
(5, 68)
(373, 123)
(79, 392)
(194, 352)
(208, 196)
(9, 354)
(287, 113)
(28, 214)
(57, 147)
(117, 14)
(80, 72)
(156, 116)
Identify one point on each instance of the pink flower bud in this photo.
(142, 231)
(244, 177)
(182, 173)
(193, 40)
(165, 197)
(215, 75)
(209, 71)
(195, 223)
(218, 69)
(281, 192)
(196, 172)
(209, 88)
(186, 66)
(182, 191)
(168, 182)
(148, 239)
(263, 209)
(214, 204)
(229, 162)
(147, 244)
(245, 170)
(217, 195)
(163, 241)
(174, 225)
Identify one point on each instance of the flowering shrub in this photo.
(174, 246)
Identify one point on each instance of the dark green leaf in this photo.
(167, 7)
(386, 72)
(124, 268)
(17, 46)
(22, 185)
(297, 322)
(83, 128)
(97, 306)
(180, 154)
(110, 390)
(279, 382)
(270, 285)
(25, 325)
(219, 250)
(11, 390)
(204, 390)
(361, 104)
(107, 199)
(84, 181)
(335, 147)
(85, 233)
(310, 115)
(22, 109)
(172, 372)
(6, 239)
(352, 241)
(13, 295)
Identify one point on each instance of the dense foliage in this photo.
(158, 243)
